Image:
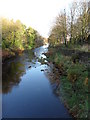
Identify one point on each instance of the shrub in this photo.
(75, 57)
(75, 71)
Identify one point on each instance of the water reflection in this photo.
(34, 97)
(39, 51)
(13, 69)
(29, 55)
(11, 75)
(54, 78)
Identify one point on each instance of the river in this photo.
(27, 91)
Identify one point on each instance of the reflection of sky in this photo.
(15, 68)
(33, 98)
(39, 51)
(36, 13)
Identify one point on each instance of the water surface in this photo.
(27, 92)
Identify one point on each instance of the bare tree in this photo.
(72, 19)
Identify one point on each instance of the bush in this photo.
(75, 71)
(73, 84)
(75, 57)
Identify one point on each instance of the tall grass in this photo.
(73, 84)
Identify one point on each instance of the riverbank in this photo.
(72, 71)
(6, 54)
(9, 53)
(25, 85)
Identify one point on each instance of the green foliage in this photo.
(12, 33)
(16, 37)
(75, 71)
(75, 91)
(31, 36)
(73, 84)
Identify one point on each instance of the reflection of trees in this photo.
(30, 55)
(11, 75)
(12, 71)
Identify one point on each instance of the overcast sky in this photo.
(38, 14)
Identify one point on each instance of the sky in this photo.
(39, 14)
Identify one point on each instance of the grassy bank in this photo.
(73, 76)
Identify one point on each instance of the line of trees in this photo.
(16, 36)
(71, 27)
